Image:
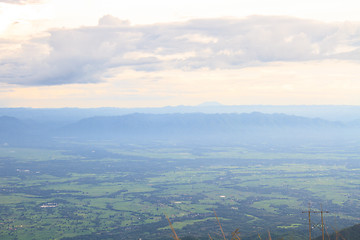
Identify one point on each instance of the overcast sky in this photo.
(114, 53)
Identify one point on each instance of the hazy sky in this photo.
(92, 53)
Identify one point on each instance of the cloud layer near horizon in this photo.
(91, 54)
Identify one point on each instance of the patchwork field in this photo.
(125, 192)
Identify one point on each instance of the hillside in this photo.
(189, 128)
(351, 233)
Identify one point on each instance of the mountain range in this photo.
(67, 115)
(189, 128)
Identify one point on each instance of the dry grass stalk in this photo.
(337, 234)
(269, 235)
(220, 225)
(210, 236)
(327, 233)
(172, 229)
(234, 235)
(259, 236)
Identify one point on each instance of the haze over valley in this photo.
(118, 176)
(186, 119)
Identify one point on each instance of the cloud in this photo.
(21, 2)
(109, 20)
(87, 54)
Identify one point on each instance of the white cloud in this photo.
(87, 54)
(21, 2)
(278, 83)
(198, 38)
(109, 20)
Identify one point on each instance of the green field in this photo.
(124, 192)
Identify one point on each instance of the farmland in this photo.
(125, 192)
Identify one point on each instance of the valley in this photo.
(108, 191)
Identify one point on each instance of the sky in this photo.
(114, 53)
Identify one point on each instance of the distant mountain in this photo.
(10, 126)
(15, 132)
(210, 128)
(190, 128)
(153, 123)
(69, 115)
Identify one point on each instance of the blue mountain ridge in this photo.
(185, 127)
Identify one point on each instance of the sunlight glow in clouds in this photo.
(88, 53)
(255, 85)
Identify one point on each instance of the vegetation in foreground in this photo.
(351, 233)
